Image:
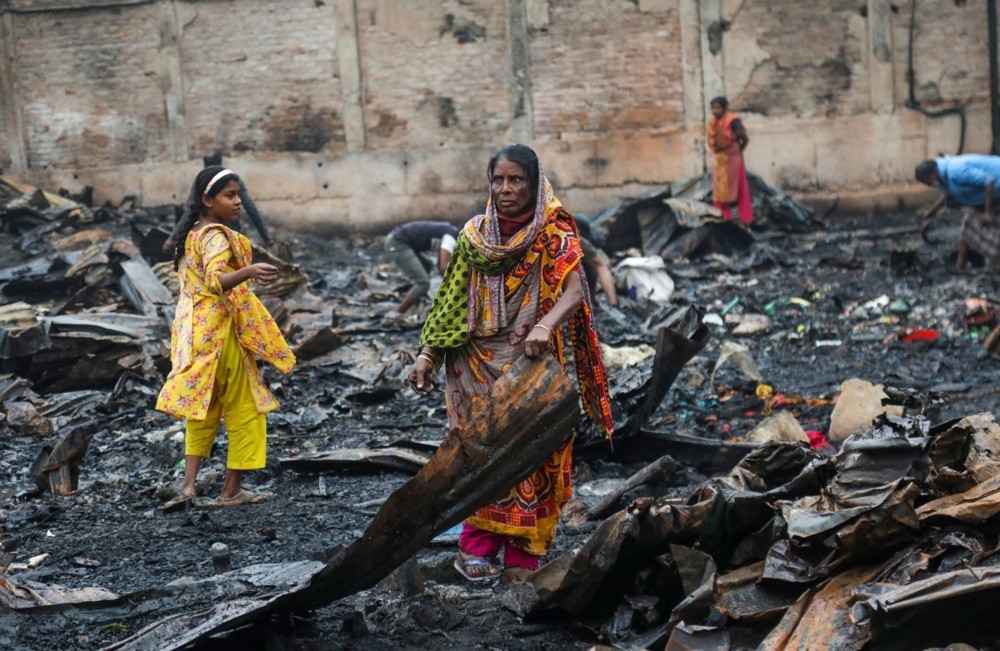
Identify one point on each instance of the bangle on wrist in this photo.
(545, 328)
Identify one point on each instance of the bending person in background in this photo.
(727, 138)
(184, 223)
(595, 261)
(407, 243)
(514, 281)
(970, 180)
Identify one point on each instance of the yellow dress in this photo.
(206, 315)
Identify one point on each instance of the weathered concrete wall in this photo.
(354, 114)
(824, 90)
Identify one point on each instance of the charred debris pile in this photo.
(803, 428)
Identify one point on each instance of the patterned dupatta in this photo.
(483, 272)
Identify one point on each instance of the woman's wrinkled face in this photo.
(226, 205)
(717, 110)
(511, 188)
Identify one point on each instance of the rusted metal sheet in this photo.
(743, 597)
(319, 344)
(290, 276)
(821, 619)
(504, 437)
(960, 604)
(61, 467)
(964, 453)
(677, 343)
(675, 347)
(391, 458)
(717, 517)
(869, 502)
(29, 596)
(244, 594)
(978, 504)
(142, 288)
(659, 471)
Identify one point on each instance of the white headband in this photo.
(216, 178)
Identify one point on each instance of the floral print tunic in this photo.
(205, 313)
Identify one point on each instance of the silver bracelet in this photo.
(539, 325)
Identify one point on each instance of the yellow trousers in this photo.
(233, 403)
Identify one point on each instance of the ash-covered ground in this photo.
(114, 534)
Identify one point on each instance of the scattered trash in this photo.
(762, 551)
(860, 402)
(850, 519)
(645, 279)
(911, 335)
(500, 441)
(750, 324)
(780, 427)
(220, 558)
(740, 355)
(60, 466)
(615, 357)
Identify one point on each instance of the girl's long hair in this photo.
(194, 208)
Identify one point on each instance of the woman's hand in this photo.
(263, 273)
(420, 374)
(538, 341)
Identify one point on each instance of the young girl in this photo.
(219, 329)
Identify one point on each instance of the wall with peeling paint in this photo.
(356, 114)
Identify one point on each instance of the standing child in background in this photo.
(219, 328)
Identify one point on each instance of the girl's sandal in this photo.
(243, 497)
(182, 498)
(476, 569)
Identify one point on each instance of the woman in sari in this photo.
(515, 279)
(728, 138)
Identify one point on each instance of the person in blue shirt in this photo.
(970, 180)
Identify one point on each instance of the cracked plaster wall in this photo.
(356, 114)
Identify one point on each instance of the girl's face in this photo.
(717, 110)
(225, 206)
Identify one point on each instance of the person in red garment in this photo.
(727, 138)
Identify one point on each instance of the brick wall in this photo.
(90, 89)
(949, 51)
(606, 65)
(434, 73)
(359, 113)
(261, 76)
(5, 149)
(797, 58)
